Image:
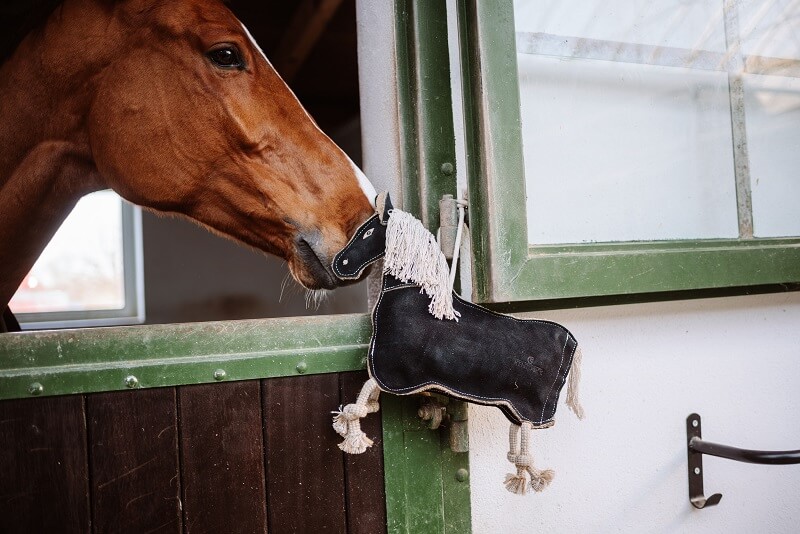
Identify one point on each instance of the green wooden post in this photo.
(427, 484)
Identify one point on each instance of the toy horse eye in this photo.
(226, 57)
(368, 233)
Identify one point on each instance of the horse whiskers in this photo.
(315, 298)
(286, 280)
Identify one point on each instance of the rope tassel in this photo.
(413, 255)
(573, 402)
(527, 476)
(347, 421)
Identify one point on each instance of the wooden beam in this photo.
(307, 24)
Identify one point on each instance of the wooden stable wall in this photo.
(252, 456)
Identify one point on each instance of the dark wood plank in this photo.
(366, 499)
(134, 461)
(222, 458)
(44, 483)
(305, 471)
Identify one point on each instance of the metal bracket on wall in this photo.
(696, 448)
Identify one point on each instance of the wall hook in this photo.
(696, 495)
(696, 448)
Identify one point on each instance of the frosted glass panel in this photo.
(770, 28)
(771, 45)
(772, 108)
(695, 24)
(626, 121)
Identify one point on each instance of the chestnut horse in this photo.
(171, 104)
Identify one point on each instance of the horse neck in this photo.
(45, 158)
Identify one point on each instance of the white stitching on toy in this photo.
(466, 396)
(360, 268)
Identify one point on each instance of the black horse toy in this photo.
(426, 338)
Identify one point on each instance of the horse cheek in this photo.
(131, 144)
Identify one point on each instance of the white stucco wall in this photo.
(735, 361)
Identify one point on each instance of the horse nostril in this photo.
(316, 262)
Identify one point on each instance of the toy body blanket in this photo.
(520, 366)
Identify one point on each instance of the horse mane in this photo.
(18, 18)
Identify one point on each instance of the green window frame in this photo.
(507, 269)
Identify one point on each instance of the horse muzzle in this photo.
(312, 266)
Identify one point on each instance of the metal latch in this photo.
(438, 410)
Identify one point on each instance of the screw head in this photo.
(462, 475)
(219, 374)
(696, 470)
(131, 381)
(447, 168)
(301, 367)
(35, 389)
(695, 423)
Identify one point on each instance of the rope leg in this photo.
(347, 421)
(519, 438)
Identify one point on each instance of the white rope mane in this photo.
(413, 255)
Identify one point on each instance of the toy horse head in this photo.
(367, 245)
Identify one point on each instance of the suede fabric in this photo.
(367, 245)
(488, 358)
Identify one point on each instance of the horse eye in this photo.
(226, 57)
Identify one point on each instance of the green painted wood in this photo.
(423, 491)
(81, 361)
(455, 487)
(579, 271)
(426, 110)
(505, 268)
(420, 497)
(498, 228)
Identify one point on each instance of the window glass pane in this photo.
(769, 28)
(770, 41)
(626, 121)
(695, 24)
(82, 266)
(772, 108)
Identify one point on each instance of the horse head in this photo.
(189, 117)
(174, 106)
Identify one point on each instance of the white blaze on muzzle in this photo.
(366, 185)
